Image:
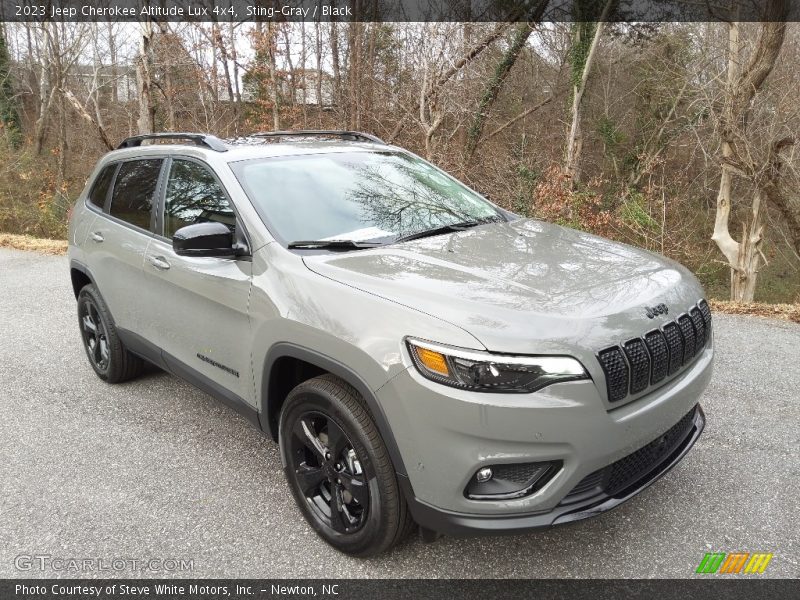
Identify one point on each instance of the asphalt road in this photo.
(156, 469)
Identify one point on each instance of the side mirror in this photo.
(204, 239)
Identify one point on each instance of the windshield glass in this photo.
(357, 196)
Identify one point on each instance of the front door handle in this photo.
(159, 262)
(96, 236)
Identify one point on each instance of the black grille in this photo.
(685, 323)
(639, 361)
(520, 473)
(635, 466)
(675, 343)
(631, 469)
(661, 353)
(699, 328)
(589, 487)
(616, 372)
(703, 305)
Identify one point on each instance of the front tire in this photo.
(339, 470)
(105, 351)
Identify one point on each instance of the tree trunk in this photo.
(337, 71)
(235, 64)
(168, 89)
(318, 76)
(575, 136)
(46, 90)
(63, 148)
(144, 79)
(86, 116)
(303, 75)
(273, 77)
(492, 90)
(290, 68)
(214, 68)
(112, 57)
(743, 282)
(354, 91)
(9, 109)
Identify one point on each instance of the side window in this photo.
(101, 185)
(194, 196)
(134, 191)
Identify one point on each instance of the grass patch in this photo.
(33, 244)
(786, 312)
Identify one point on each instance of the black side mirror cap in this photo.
(204, 239)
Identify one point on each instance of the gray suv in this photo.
(421, 356)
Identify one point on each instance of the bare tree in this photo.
(739, 152)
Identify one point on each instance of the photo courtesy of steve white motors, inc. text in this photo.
(173, 589)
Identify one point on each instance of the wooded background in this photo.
(677, 137)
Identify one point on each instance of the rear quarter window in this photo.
(102, 184)
(135, 190)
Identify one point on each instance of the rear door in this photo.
(197, 307)
(119, 236)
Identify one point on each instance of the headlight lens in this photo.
(486, 372)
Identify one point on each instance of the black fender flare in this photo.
(76, 265)
(331, 365)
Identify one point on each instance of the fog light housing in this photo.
(505, 482)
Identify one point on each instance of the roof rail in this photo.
(355, 136)
(201, 139)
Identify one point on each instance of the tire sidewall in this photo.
(88, 295)
(370, 535)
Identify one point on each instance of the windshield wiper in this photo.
(332, 245)
(446, 229)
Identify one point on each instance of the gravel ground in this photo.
(156, 469)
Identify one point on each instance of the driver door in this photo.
(198, 306)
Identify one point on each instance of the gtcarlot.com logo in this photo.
(47, 562)
(734, 562)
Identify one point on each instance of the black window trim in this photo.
(107, 207)
(161, 205)
(91, 205)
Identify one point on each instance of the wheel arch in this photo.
(305, 364)
(80, 276)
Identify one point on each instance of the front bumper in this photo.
(444, 435)
(592, 504)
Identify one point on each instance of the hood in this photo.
(524, 286)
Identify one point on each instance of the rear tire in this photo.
(105, 351)
(339, 470)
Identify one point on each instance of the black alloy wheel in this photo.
(339, 470)
(95, 335)
(327, 469)
(104, 348)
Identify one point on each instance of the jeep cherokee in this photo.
(420, 355)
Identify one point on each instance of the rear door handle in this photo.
(159, 262)
(96, 236)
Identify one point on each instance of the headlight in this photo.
(486, 372)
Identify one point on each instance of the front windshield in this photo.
(357, 196)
